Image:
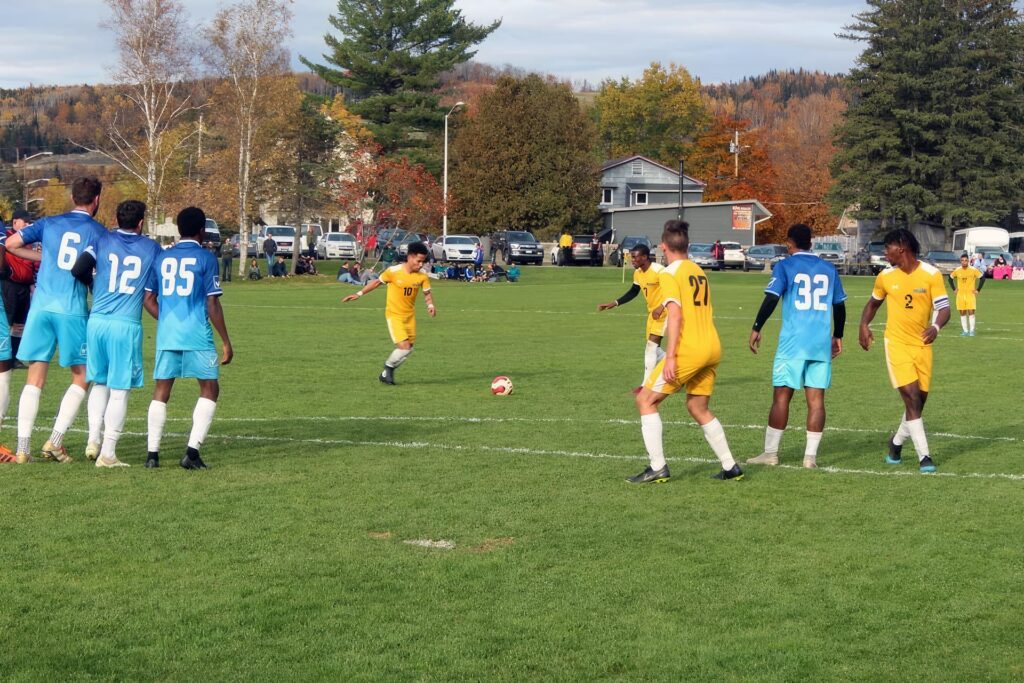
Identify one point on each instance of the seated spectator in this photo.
(310, 265)
(300, 266)
(450, 273)
(513, 273)
(278, 269)
(495, 273)
(365, 276)
(468, 274)
(254, 270)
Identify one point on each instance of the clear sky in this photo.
(60, 42)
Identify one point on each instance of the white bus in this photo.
(973, 240)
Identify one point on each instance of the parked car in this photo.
(831, 252)
(701, 255)
(212, 232)
(410, 237)
(283, 236)
(516, 246)
(761, 255)
(945, 261)
(581, 249)
(618, 256)
(734, 256)
(454, 248)
(252, 247)
(339, 245)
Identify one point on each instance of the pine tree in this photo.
(389, 58)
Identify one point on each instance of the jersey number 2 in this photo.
(810, 293)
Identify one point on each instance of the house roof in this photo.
(612, 163)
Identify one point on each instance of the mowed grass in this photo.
(287, 560)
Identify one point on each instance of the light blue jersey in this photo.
(808, 287)
(63, 237)
(124, 270)
(185, 275)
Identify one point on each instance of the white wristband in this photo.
(937, 328)
(359, 293)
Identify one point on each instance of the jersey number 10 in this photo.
(810, 293)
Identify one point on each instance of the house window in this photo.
(607, 195)
(640, 198)
(638, 167)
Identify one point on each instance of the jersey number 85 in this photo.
(175, 276)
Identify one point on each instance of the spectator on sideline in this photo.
(718, 253)
(278, 269)
(513, 273)
(269, 249)
(595, 250)
(565, 246)
(17, 289)
(226, 255)
(254, 270)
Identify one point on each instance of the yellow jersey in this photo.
(649, 282)
(684, 282)
(910, 299)
(565, 240)
(966, 279)
(402, 289)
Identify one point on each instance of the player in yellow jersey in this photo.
(967, 281)
(690, 362)
(404, 281)
(646, 281)
(912, 291)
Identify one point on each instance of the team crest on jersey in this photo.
(216, 281)
(82, 351)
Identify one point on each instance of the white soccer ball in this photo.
(501, 386)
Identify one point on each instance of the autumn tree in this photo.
(658, 116)
(525, 161)
(245, 41)
(390, 55)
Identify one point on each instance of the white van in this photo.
(311, 234)
(1017, 244)
(974, 240)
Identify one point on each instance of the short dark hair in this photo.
(417, 248)
(676, 235)
(905, 239)
(800, 234)
(641, 249)
(964, 255)
(129, 213)
(21, 215)
(84, 189)
(191, 221)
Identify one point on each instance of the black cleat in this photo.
(735, 473)
(649, 476)
(192, 461)
(926, 464)
(895, 455)
(388, 376)
(152, 460)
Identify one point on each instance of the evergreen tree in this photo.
(525, 161)
(389, 58)
(932, 132)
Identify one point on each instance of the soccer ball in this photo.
(501, 386)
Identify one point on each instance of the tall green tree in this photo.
(933, 132)
(389, 56)
(659, 116)
(525, 161)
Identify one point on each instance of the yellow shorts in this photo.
(697, 375)
(402, 329)
(656, 327)
(908, 364)
(966, 301)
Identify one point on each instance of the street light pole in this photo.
(24, 170)
(444, 219)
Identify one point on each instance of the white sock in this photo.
(28, 407)
(963, 323)
(813, 439)
(916, 428)
(202, 418)
(715, 436)
(95, 407)
(902, 433)
(5, 394)
(397, 357)
(67, 413)
(970, 322)
(155, 430)
(113, 420)
(650, 358)
(660, 353)
(650, 427)
(772, 438)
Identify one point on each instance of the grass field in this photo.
(288, 560)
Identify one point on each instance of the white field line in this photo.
(562, 420)
(570, 454)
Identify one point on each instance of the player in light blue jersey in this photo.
(58, 315)
(187, 289)
(813, 318)
(123, 260)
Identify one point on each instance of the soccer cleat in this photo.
(895, 456)
(110, 462)
(55, 453)
(965, 334)
(649, 476)
(92, 451)
(6, 455)
(23, 458)
(889, 460)
(735, 473)
(152, 460)
(192, 462)
(810, 462)
(388, 375)
(764, 459)
(927, 466)
(971, 333)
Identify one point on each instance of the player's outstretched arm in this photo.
(865, 335)
(624, 299)
(216, 315)
(431, 308)
(370, 286)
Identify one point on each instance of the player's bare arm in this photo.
(932, 331)
(152, 306)
(765, 312)
(16, 245)
(216, 315)
(673, 327)
(870, 309)
(370, 286)
(624, 299)
(754, 342)
(431, 308)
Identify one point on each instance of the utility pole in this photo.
(682, 182)
(734, 149)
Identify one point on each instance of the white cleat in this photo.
(764, 459)
(811, 462)
(110, 462)
(92, 451)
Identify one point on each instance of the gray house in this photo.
(638, 181)
(732, 221)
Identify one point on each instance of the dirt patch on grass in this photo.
(491, 544)
(379, 535)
